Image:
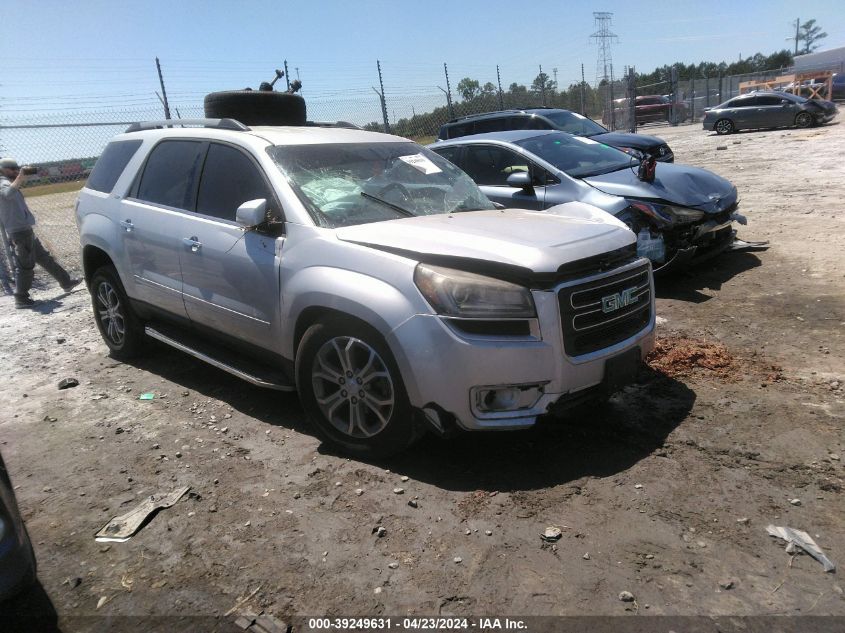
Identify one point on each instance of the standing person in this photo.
(17, 220)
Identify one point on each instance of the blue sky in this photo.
(78, 59)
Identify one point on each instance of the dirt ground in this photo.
(665, 493)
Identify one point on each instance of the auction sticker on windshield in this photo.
(422, 163)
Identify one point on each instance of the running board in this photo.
(243, 369)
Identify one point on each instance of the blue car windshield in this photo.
(576, 156)
(342, 184)
(574, 123)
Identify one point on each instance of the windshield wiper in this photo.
(395, 207)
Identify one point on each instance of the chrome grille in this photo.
(600, 313)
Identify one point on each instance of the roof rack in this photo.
(219, 124)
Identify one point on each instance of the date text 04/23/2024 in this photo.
(416, 624)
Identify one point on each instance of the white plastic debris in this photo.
(797, 538)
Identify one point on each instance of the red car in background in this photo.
(648, 109)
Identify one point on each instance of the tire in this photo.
(724, 126)
(256, 107)
(377, 421)
(122, 331)
(804, 119)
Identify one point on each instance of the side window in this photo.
(742, 102)
(490, 165)
(489, 125)
(459, 130)
(171, 173)
(537, 123)
(229, 179)
(111, 164)
(451, 154)
(768, 100)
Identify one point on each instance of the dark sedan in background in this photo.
(685, 214)
(767, 110)
(556, 119)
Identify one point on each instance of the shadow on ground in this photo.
(597, 441)
(687, 285)
(31, 611)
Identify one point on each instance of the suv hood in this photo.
(627, 139)
(676, 184)
(540, 241)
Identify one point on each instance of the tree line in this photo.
(473, 97)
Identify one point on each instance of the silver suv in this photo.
(363, 271)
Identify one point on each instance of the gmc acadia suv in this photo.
(363, 271)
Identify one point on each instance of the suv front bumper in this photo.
(445, 370)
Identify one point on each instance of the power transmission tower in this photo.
(604, 38)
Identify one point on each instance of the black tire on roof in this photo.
(255, 107)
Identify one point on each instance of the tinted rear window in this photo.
(111, 164)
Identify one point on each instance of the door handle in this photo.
(193, 242)
(127, 225)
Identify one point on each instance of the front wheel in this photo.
(351, 389)
(724, 126)
(120, 328)
(803, 119)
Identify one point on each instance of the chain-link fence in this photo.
(65, 146)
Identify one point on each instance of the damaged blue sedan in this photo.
(681, 214)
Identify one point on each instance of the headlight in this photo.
(462, 294)
(664, 213)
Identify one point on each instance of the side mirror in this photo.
(251, 213)
(521, 180)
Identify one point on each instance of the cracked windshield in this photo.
(356, 183)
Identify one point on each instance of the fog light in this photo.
(506, 397)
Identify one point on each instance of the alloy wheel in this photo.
(353, 387)
(110, 312)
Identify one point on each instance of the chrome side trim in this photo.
(153, 333)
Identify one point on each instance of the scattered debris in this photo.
(726, 584)
(377, 590)
(67, 383)
(626, 596)
(638, 486)
(718, 147)
(73, 582)
(457, 560)
(147, 396)
(586, 556)
(393, 565)
(551, 534)
(103, 600)
(399, 491)
(488, 532)
(659, 320)
(413, 503)
(795, 502)
(242, 602)
(404, 478)
(742, 520)
(359, 491)
(380, 531)
(797, 538)
(679, 356)
(121, 528)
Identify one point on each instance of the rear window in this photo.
(111, 164)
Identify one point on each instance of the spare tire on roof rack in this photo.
(256, 107)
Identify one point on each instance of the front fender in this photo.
(101, 232)
(374, 301)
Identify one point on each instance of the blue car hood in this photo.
(674, 184)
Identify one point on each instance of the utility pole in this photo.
(163, 91)
(501, 95)
(448, 103)
(383, 102)
(612, 109)
(797, 26)
(287, 77)
(604, 37)
(448, 92)
(583, 84)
